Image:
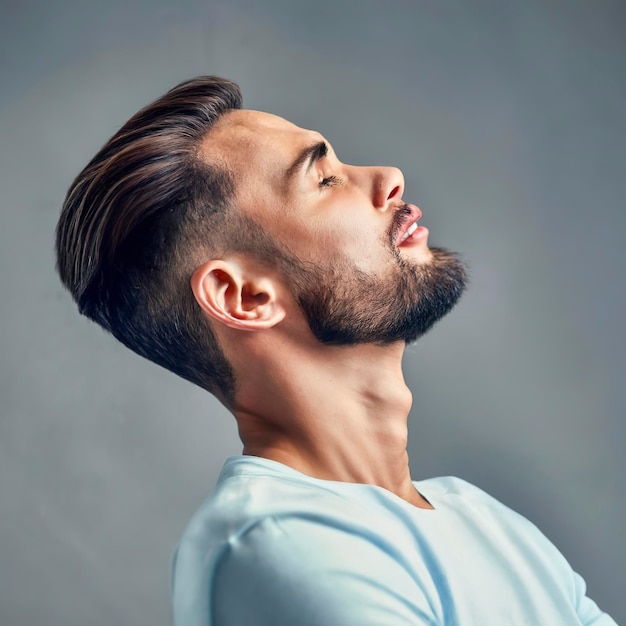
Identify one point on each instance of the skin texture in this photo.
(335, 412)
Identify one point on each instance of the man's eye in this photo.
(329, 181)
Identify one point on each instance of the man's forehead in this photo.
(242, 136)
(256, 121)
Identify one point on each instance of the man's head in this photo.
(350, 249)
(192, 181)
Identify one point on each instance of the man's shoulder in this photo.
(452, 485)
(454, 489)
(264, 523)
(251, 491)
(259, 487)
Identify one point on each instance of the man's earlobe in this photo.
(235, 297)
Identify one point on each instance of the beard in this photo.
(344, 305)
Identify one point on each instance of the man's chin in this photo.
(421, 255)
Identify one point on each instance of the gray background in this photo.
(508, 121)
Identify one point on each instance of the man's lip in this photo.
(411, 215)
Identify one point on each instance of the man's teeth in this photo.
(410, 230)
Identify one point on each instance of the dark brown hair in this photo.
(136, 222)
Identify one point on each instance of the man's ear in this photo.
(235, 296)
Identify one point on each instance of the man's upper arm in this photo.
(296, 571)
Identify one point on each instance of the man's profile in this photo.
(235, 249)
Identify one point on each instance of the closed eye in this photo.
(329, 181)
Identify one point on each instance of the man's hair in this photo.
(139, 219)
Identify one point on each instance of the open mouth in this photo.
(409, 231)
(405, 226)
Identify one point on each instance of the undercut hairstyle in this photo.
(137, 221)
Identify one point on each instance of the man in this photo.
(235, 249)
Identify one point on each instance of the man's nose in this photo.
(386, 186)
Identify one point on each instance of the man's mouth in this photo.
(409, 231)
(405, 223)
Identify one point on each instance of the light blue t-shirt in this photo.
(274, 547)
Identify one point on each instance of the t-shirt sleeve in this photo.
(535, 541)
(297, 571)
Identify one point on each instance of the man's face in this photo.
(356, 260)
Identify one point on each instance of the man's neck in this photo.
(339, 413)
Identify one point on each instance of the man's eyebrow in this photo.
(309, 155)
